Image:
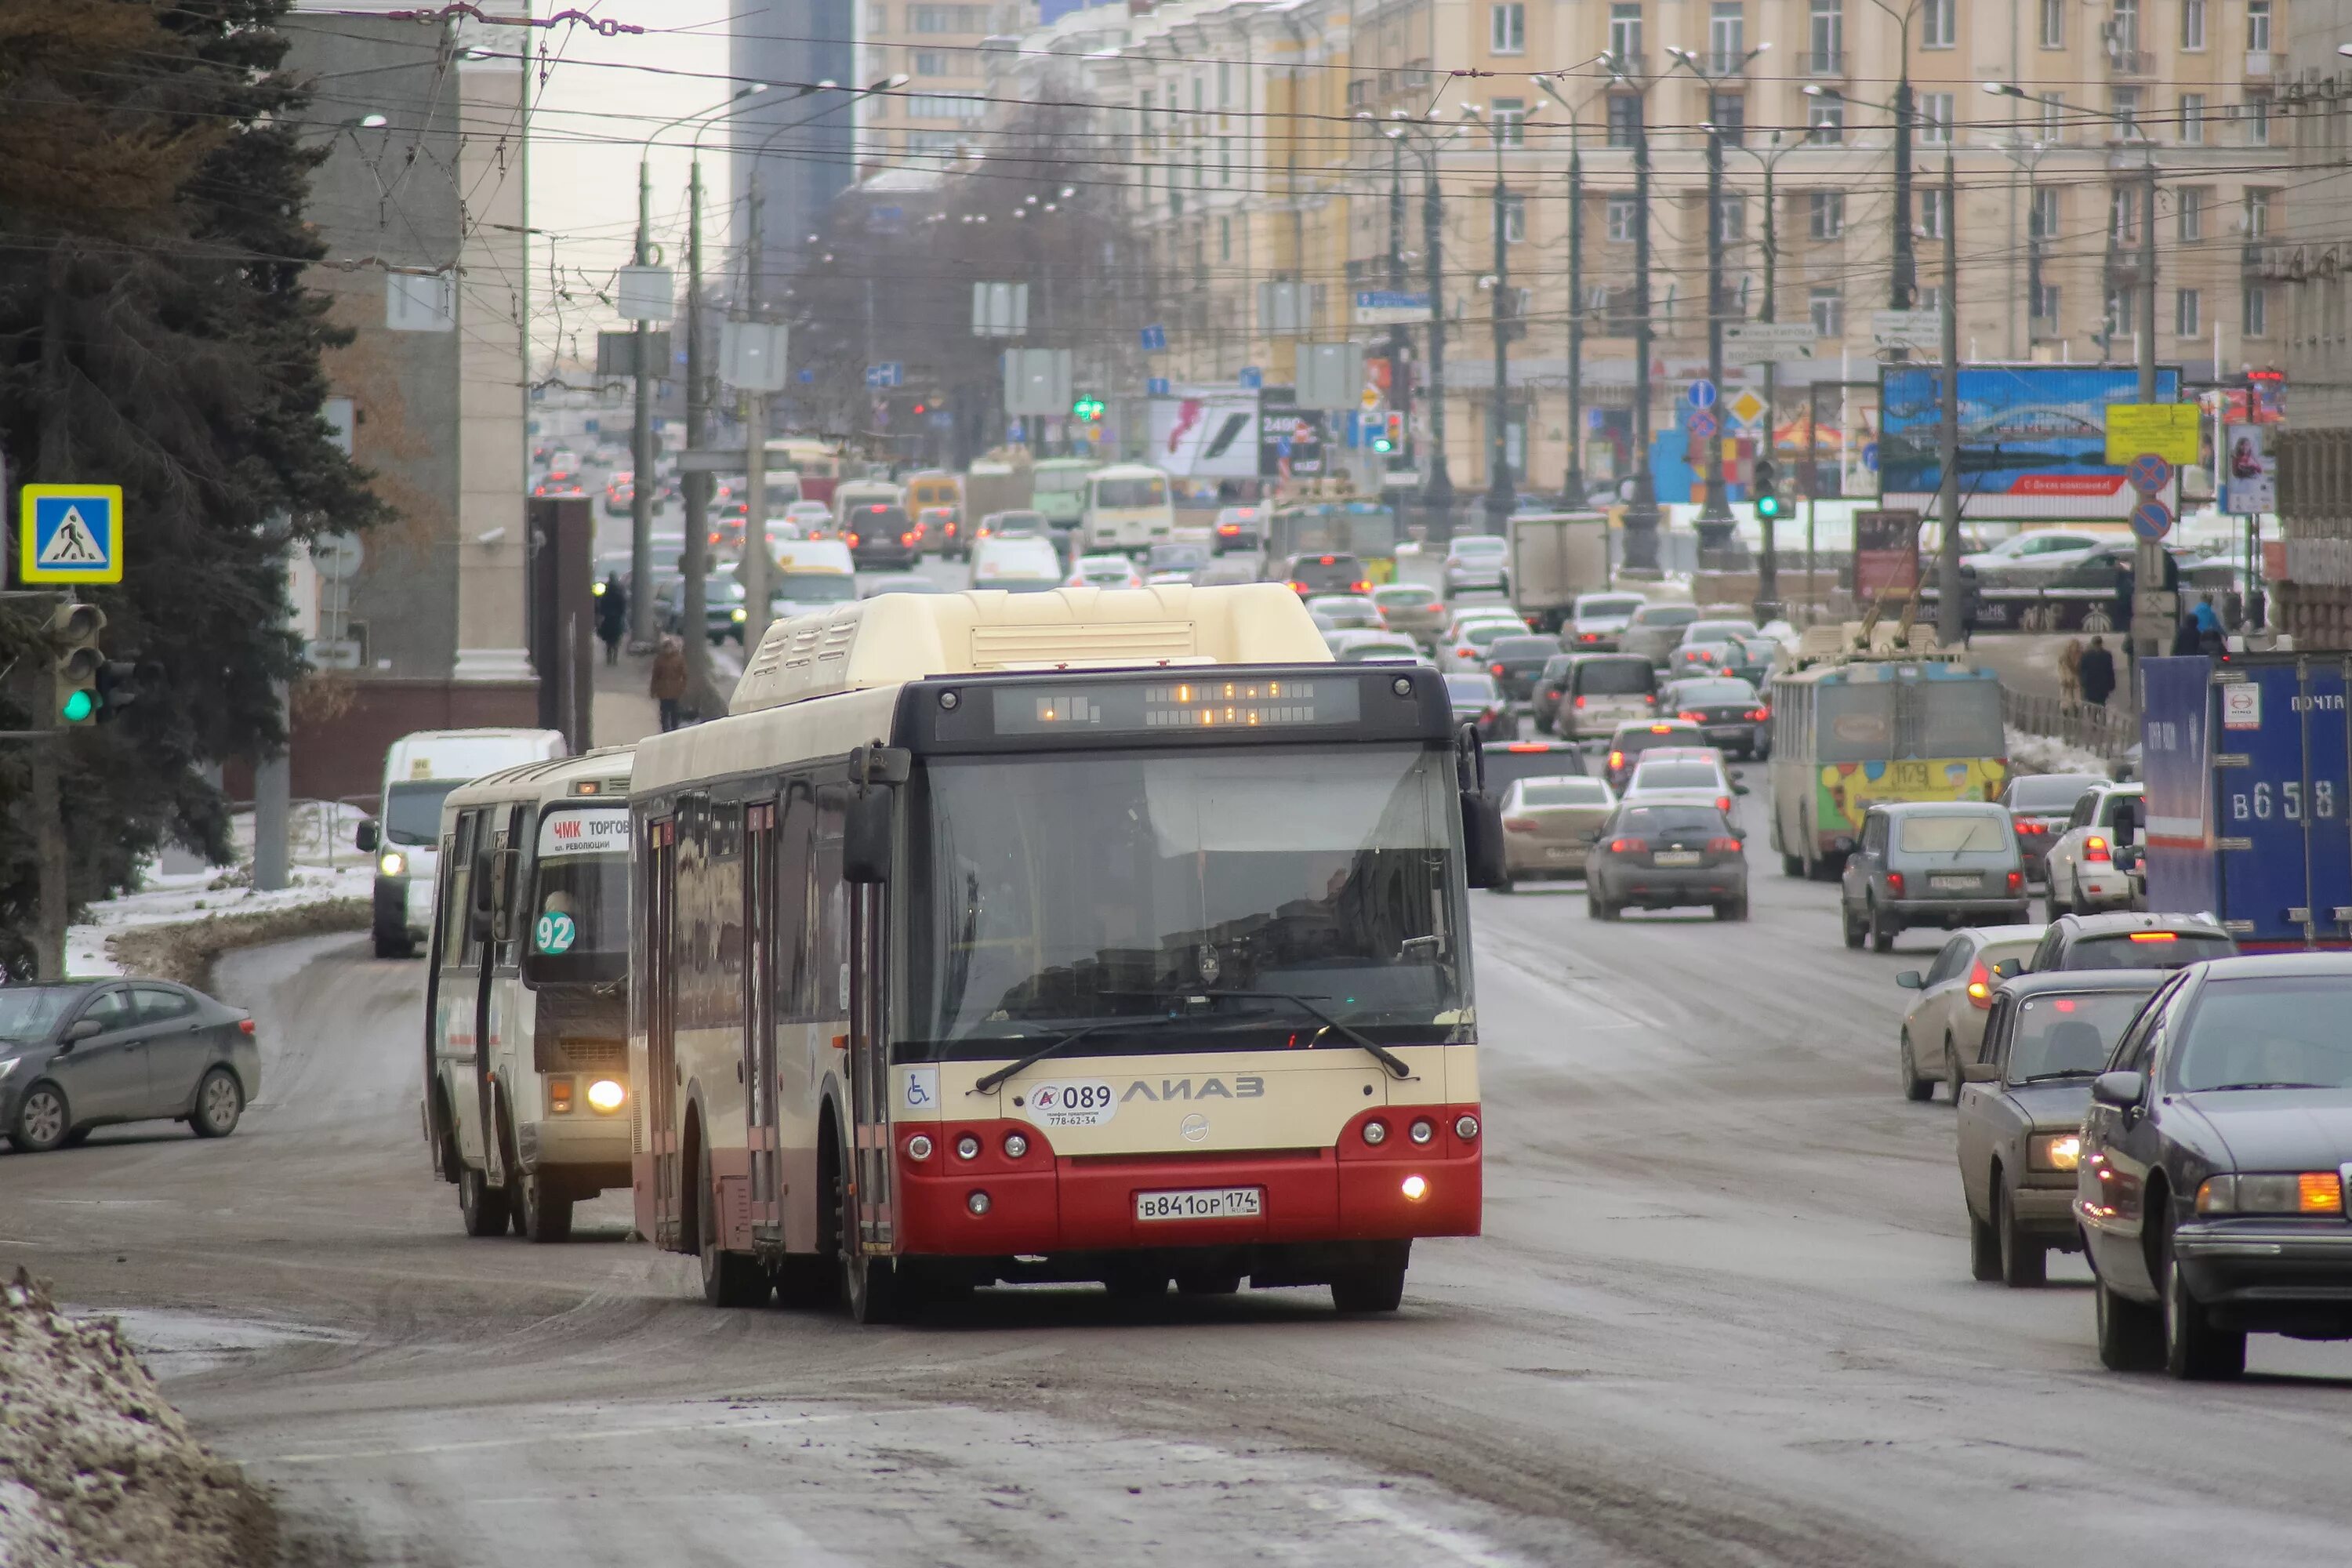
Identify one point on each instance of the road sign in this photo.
(1767, 342)
(1701, 426)
(1369, 399)
(1389, 308)
(890, 372)
(2168, 429)
(1155, 386)
(1155, 339)
(2149, 474)
(2151, 519)
(1912, 328)
(1747, 408)
(1701, 394)
(1252, 378)
(337, 556)
(714, 461)
(1016, 431)
(70, 533)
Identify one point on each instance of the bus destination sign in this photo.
(1142, 706)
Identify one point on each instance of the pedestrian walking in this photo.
(2070, 672)
(2207, 619)
(2185, 641)
(2097, 673)
(613, 616)
(668, 683)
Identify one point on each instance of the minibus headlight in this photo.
(605, 1095)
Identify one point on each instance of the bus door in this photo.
(448, 995)
(760, 906)
(869, 1071)
(660, 1087)
(492, 865)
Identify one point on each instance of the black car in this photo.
(1313, 574)
(2125, 941)
(1478, 701)
(1509, 761)
(2019, 1113)
(723, 611)
(79, 1053)
(1517, 662)
(879, 534)
(1662, 857)
(2039, 806)
(2211, 1186)
(1727, 712)
(1551, 690)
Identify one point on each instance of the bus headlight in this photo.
(967, 1147)
(392, 863)
(605, 1095)
(1015, 1145)
(1465, 1127)
(1422, 1132)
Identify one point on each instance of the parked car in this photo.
(1476, 561)
(1728, 712)
(2129, 941)
(1653, 631)
(2020, 1114)
(1939, 863)
(1479, 702)
(80, 1054)
(2038, 806)
(1945, 1026)
(2018, 559)
(2084, 863)
(1549, 824)
(1518, 660)
(1411, 609)
(1663, 857)
(1595, 620)
(2210, 1182)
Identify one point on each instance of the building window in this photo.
(1732, 218)
(2193, 120)
(2190, 204)
(1827, 37)
(1224, 83)
(1934, 118)
(1825, 214)
(1827, 117)
(1625, 34)
(2258, 118)
(2123, 32)
(2053, 116)
(945, 106)
(2042, 213)
(1939, 24)
(2054, 24)
(947, 18)
(1514, 219)
(931, 62)
(2185, 321)
(877, 17)
(2192, 23)
(2119, 215)
(2257, 322)
(1200, 92)
(1623, 219)
(1624, 120)
(1727, 111)
(1225, 239)
(1224, 160)
(1934, 214)
(1827, 310)
(1506, 28)
(1726, 35)
(2123, 102)
(2258, 214)
(1510, 118)
(2258, 26)
(2045, 301)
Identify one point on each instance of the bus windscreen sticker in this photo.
(555, 933)
(1072, 1104)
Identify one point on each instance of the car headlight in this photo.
(739, 614)
(392, 863)
(605, 1095)
(2294, 1192)
(2055, 1151)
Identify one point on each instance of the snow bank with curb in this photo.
(96, 1468)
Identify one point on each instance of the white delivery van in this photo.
(1126, 506)
(405, 835)
(851, 494)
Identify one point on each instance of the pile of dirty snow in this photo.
(95, 1467)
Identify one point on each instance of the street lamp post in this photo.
(1768, 570)
(1641, 522)
(1571, 484)
(1501, 494)
(1437, 492)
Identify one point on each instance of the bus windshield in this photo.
(578, 920)
(1176, 899)
(1153, 491)
(1051, 479)
(411, 812)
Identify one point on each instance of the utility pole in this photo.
(694, 563)
(1768, 570)
(756, 559)
(1500, 495)
(641, 498)
(1400, 381)
(1903, 278)
(1438, 497)
(2148, 566)
(1642, 511)
(1572, 482)
(1951, 625)
(1714, 522)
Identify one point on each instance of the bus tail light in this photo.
(1421, 1133)
(967, 1147)
(1376, 1132)
(1015, 1145)
(1415, 1188)
(978, 1204)
(918, 1147)
(1894, 883)
(1465, 1127)
(605, 1095)
(2094, 848)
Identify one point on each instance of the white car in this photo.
(1682, 775)
(2034, 553)
(814, 518)
(1018, 564)
(1467, 649)
(1475, 560)
(1595, 619)
(1945, 1025)
(1345, 611)
(2084, 872)
(1104, 571)
(1358, 645)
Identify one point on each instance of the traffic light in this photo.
(118, 686)
(1389, 433)
(1767, 500)
(73, 633)
(1086, 408)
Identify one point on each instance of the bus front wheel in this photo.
(869, 1286)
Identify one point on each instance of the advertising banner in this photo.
(2033, 440)
(1205, 433)
(1290, 438)
(1886, 553)
(2251, 472)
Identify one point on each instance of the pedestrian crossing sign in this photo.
(69, 534)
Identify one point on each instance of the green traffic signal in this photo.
(1768, 506)
(78, 706)
(1088, 408)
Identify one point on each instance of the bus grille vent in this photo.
(591, 1056)
(1123, 642)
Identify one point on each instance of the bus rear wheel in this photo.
(1376, 1285)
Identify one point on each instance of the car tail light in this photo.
(1661, 729)
(1759, 714)
(1616, 759)
(909, 538)
(1979, 985)
(1298, 586)
(1588, 637)
(2094, 848)
(2017, 881)
(1579, 702)
(1894, 883)
(1723, 845)
(1229, 527)
(1626, 846)
(852, 539)
(245, 1026)
(1694, 718)
(2028, 827)
(1723, 803)
(2155, 936)
(1526, 746)
(1519, 825)
(1360, 587)
(1495, 668)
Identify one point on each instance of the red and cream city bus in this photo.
(1090, 936)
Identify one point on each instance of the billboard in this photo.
(1290, 438)
(1886, 553)
(2033, 440)
(1205, 433)
(2250, 472)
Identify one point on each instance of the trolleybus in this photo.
(1089, 935)
(1851, 732)
(527, 1099)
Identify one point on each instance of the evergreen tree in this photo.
(156, 333)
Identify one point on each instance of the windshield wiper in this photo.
(2061, 1072)
(1398, 1067)
(2218, 1088)
(986, 1083)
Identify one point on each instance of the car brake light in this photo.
(1363, 587)
(1526, 746)
(1495, 668)
(2155, 936)
(1661, 729)
(1723, 845)
(1979, 985)
(2096, 848)
(245, 1026)
(853, 540)
(909, 538)
(1579, 702)
(1694, 718)
(1624, 846)
(1759, 714)
(1299, 586)
(1519, 825)
(1616, 759)
(1894, 883)
(2017, 881)
(1326, 560)
(1723, 803)
(2029, 826)
(1229, 527)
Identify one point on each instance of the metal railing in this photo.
(2105, 733)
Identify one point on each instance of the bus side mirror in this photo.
(366, 836)
(1481, 841)
(865, 835)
